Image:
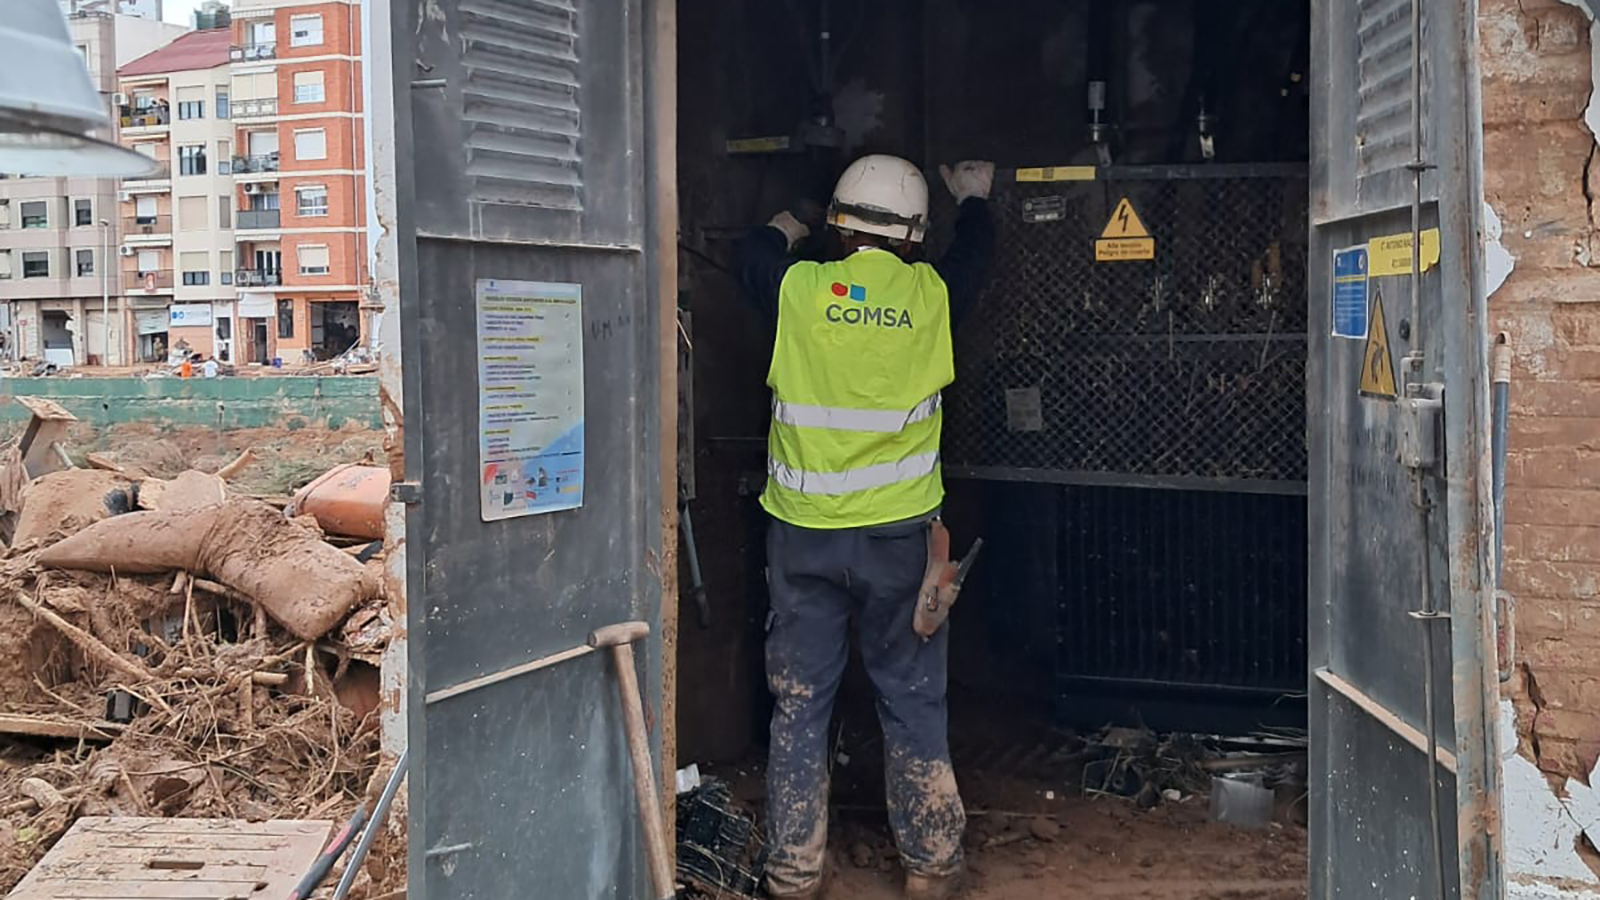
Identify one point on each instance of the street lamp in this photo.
(105, 292)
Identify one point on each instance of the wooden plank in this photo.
(175, 859)
(54, 726)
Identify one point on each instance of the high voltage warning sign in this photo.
(1125, 237)
(1377, 366)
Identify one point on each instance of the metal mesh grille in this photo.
(1190, 365)
(1200, 588)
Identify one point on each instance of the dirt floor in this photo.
(1037, 825)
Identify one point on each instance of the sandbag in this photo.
(63, 503)
(300, 580)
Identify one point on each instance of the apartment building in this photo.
(299, 176)
(177, 252)
(58, 236)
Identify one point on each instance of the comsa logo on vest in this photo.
(881, 316)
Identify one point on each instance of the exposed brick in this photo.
(1543, 617)
(1579, 725)
(1562, 691)
(1552, 506)
(1560, 653)
(1543, 289)
(1556, 398)
(1578, 325)
(1563, 29)
(1528, 578)
(1553, 433)
(1559, 468)
(1565, 543)
(1572, 760)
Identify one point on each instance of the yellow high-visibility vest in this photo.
(863, 350)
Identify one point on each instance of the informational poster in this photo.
(1350, 293)
(530, 397)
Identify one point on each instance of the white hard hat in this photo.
(883, 195)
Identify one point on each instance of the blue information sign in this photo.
(1350, 293)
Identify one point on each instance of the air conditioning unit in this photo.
(125, 250)
(119, 99)
(125, 196)
(252, 189)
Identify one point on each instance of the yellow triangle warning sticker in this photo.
(1377, 365)
(1125, 237)
(1124, 223)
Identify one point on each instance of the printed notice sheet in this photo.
(530, 397)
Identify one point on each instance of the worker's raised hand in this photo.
(793, 229)
(972, 178)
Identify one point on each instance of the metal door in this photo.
(1378, 560)
(522, 154)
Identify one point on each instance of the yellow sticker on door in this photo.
(1377, 365)
(1124, 237)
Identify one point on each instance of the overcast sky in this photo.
(180, 12)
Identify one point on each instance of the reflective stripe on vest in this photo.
(883, 421)
(862, 479)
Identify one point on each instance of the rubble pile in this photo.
(171, 648)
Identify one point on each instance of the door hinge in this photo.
(407, 492)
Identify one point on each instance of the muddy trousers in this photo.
(819, 582)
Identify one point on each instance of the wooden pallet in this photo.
(175, 859)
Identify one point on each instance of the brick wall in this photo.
(1536, 62)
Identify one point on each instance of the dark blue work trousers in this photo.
(821, 580)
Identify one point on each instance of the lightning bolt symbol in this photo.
(1122, 216)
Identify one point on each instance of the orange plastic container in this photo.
(346, 500)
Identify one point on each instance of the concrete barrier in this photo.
(286, 402)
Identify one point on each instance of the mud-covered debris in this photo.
(861, 855)
(63, 503)
(300, 580)
(1045, 829)
(348, 500)
(189, 490)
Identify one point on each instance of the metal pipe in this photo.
(1416, 167)
(697, 584)
(1500, 401)
(379, 813)
(105, 292)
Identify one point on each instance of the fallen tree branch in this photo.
(227, 472)
(86, 642)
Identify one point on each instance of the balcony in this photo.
(252, 52)
(135, 227)
(144, 116)
(255, 218)
(149, 281)
(245, 109)
(250, 165)
(257, 278)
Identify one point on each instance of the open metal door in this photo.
(1398, 409)
(526, 159)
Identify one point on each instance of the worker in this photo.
(863, 348)
(209, 368)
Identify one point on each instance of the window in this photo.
(192, 159)
(34, 215)
(311, 200)
(264, 200)
(313, 259)
(285, 318)
(5, 264)
(5, 213)
(191, 109)
(224, 157)
(35, 264)
(144, 210)
(149, 260)
(196, 268)
(193, 214)
(85, 263)
(82, 212)
(305, 31)
(308, 87)
(225, 211)
(263, 33)
(311, 144)
(225, 269)
(222, 103)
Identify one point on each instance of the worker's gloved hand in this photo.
(793, 229)
(972, 178)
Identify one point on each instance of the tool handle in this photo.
(330, 854)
